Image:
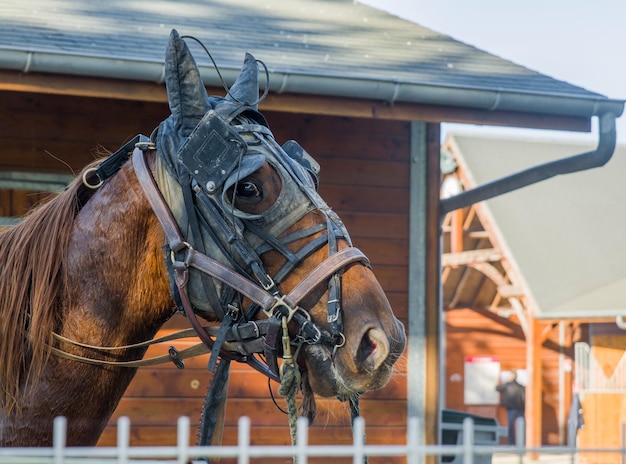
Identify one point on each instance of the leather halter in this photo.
(268, 298)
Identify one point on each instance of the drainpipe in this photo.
(592, 159)
(151, 69)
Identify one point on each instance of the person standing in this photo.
(513, 398)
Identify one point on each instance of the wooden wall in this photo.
(482, 333)
(365, 178)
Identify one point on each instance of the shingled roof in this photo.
(337, 47)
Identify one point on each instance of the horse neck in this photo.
(115, 292)
(116, 279)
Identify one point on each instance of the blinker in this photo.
(304, 159)
(212, 151)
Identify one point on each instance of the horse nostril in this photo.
(373, 349)
(367, 347)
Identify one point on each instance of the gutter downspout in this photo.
(592, 159)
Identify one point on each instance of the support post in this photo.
(533, 415)
(423, 383)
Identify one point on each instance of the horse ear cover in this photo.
(245, 90)
(187, 97)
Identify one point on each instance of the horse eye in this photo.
(248, 190)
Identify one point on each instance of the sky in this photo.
(582, 42)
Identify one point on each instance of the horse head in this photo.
(256, 211)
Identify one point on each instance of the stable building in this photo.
(363, 91)
(533, 281)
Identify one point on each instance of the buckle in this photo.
(175, 357)
(145, 146)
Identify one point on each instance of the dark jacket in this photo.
(513, 395)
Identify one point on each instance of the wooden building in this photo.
(77, 77)
(546, 261)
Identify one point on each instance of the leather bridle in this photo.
(249, 336)
(242, 330)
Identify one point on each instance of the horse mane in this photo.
(32, 254)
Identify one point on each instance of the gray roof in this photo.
(566, 234)
(337, 47)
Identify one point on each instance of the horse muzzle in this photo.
(357, 367)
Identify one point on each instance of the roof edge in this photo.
(493, 100)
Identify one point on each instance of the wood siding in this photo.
(365, 178)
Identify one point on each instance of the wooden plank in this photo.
(91, 123)
(155, 411)
(244, 383)
(370, 173)
(384, 252)
(47, 155)
(353, 139)
(376, 225)
(365, 199)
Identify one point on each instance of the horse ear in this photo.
(246, 88)
(186, 93)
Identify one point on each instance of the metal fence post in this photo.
(59, 439)
(468, 440)
(243, 440)
(182, 439)
(123, 439)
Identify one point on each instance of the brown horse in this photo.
(235, 233)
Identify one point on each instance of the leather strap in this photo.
(195, 350)
(157, 202)
(239, 333)
(327, 268)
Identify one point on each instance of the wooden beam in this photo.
(545, 332)
(510, 291)
(456, 234)
(533, 415)
(85, 86)
(458, 291)
(471, 257)
(82, 86)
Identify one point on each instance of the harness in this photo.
(242, 240)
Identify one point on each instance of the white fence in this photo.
(466, 451)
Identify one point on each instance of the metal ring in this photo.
(339, 345)
(172, 253)
(87, 184)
